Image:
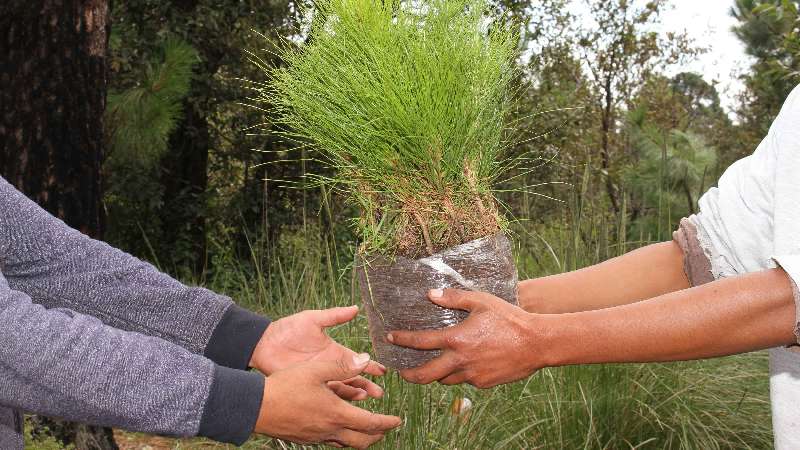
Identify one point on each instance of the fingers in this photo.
(334, 316)
(422, 340)
(457, 299)
(363, 421)
(459, 377)
(434, 370)
(347, 392)
(350, 438)
(372, 389)
(375, 368)
(342, 369)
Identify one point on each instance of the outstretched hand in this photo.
(491, 347)
(300, 406)
(301, 338)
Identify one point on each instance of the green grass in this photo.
(408, 102)
(718, 404)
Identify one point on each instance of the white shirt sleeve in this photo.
(786, 242)
(750, 222)
(754, 214)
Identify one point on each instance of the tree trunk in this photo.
(605, 151)
(185, 179)
(52, 98)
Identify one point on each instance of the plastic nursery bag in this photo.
(395, 292)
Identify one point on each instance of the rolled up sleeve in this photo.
(791, 265)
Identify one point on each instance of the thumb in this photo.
(342, 369)
(456, 299)
(335, 316)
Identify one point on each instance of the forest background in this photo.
(151, 147)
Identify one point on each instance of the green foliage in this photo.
(408, 102)
(717, 404)
(769, 31)
(673, 169)
(210, 178)
(43, 440)
(141, 118)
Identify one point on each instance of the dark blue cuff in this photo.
(234, 339)
(233, 405)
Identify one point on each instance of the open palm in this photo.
(301, 338)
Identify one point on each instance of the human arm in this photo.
(732, 315)
(64, 364)
(637, 275)
(62, 268)
(60, 363)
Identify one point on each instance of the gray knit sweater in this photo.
(91, 334)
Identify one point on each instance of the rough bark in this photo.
(53, 80)
(52, 97)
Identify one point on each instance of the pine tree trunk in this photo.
(185, 179)
(52, 98)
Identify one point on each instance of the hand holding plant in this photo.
(490, 347)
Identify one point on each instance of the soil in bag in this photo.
(395, 292)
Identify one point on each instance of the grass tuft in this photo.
(408, 102)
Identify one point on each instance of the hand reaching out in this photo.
(300, 406)
(301, 338)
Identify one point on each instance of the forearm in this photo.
(638, 275)
(63, 364)
(61, 268)
(729, 316)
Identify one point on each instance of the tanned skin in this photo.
(638, 275)
(312, 381)
(635, 308)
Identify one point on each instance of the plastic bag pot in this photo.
(395, 292)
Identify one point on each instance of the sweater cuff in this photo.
(233, 406)
(235, 338)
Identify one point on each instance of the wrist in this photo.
(258, 360)
(262, 425)
(233, 406)
(547, 295)
(562, 339)
(233, 341)
(527, 295)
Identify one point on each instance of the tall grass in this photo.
(717, 404)
(704, 405)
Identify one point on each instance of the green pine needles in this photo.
(141, 118)
(408, 101)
